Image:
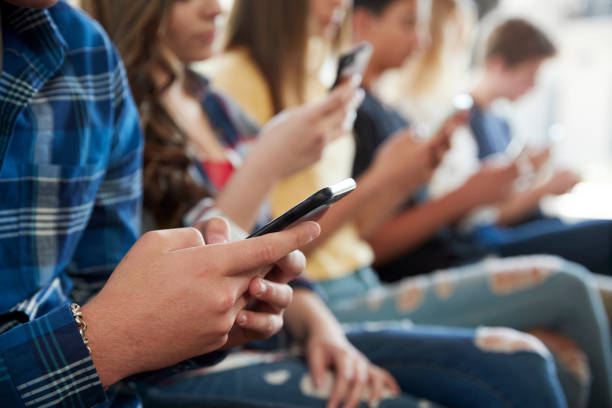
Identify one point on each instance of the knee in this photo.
(508, 341)
(519, 273)
(568, 355)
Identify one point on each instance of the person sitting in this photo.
(183, 172)
(340, 260)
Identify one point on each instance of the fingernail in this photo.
(315, 231)
(356, 80)
(262, 289)
(217, 239)
(241, 319)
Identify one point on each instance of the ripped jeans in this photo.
(457, 368)
(524, 293)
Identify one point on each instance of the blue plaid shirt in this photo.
(70, 182)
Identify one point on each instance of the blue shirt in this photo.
(491, 133)
(70, 182)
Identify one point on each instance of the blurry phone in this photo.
(353, 62)
(309, 208)
(461, 103)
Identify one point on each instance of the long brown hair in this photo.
(428, 67)
(137, 29)
(275, 32)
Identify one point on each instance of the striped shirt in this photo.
(70, 188)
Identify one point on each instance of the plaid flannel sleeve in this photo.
(44, 363)
(114, 225)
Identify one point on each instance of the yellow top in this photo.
(235, 74)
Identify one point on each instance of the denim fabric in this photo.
(436, 364)
(522, 293)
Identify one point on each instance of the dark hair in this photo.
(137, 28)
(516, 41)
(374, 6)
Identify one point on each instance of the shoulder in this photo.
(88, 46)
(235, 74)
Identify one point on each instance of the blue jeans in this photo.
(438, 364)
(587, 243)
(522, 293)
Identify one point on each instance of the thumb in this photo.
(215, 230)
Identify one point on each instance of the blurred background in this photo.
(571, 107)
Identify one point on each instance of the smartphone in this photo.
(309, 208)
(353, 62)
(461, 103)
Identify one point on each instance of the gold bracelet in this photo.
(78, 318)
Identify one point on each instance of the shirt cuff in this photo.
(45, 363)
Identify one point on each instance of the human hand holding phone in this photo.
(174, 288)
(353, 63)
(295, 139)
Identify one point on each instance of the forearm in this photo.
(519, 206)
(308, 314)
(414, 226)
(368, 206)
(245, 193)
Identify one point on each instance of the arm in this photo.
(521, 203)
(401, 165)
(292, 141)
(414, 226)
(45, 361)
(327, 348)
(491, 184)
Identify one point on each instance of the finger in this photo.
(376, 387)
(342, 379)
(264, 324)
(175, 239)
(277, 296)
(358, 386)
(337, 99)
(316, 366)
(389, 382)
(288, 268)
(244, 258)
(242, 302)
(215, 230)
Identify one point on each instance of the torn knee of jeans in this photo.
(325, 388)
(514, 274)
(505, 340)
(410, 295)
(443, 284)
(568, 354)
(278, 377)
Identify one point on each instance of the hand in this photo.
(493, 183)
(354, 374)
(441, 142)
(561, 182)
(539, 158)
(172, 288)
(266, 299)
(403, 162)
(295, 139)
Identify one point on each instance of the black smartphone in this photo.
(308, 208)
(353, 62)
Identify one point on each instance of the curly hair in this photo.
(137, 29)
